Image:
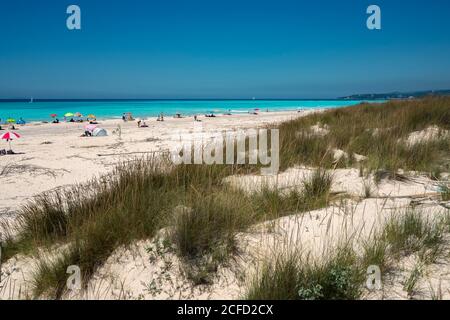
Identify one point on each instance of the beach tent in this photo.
(90, 127)
(99, 132)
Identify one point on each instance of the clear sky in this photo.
(221, 48)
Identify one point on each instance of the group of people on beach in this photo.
(142, 124)
(11, 126)
(127, 116)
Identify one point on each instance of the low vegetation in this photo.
(378, 132)
(136, 201)
(204, 215)
(341, 274)
(292, 277)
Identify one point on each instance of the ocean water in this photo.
(41, 110)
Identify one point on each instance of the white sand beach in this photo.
(54, 155)
(221, 150)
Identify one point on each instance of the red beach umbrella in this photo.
(53, 115)
(8, 136)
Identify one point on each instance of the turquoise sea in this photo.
(103, 109)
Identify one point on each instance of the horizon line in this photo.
(162, 99)
(343, 97)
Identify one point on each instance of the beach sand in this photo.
(54, 155)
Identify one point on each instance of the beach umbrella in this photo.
(77, 114)
(90, 127)
(68, 114)
(91, 116)
(8, 136)
(53, 115)
(10, 120)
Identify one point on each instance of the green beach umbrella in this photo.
(10, 120)
(68, 114)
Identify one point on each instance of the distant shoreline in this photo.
(113, 109)
(215, 99)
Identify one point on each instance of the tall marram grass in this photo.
(140, 197)
(313, 193)
(133, 203)
(94, 219)
(289, 276)
(204, 231)
(415, 232)
(205, 227)
(341, 273)
(376, 131)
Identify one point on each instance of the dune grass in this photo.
(205, 227)
(375, 253)
(204, 231)
(140, 197)
(341, 274)
(136, 201)
(291, 277)
(414, 232)
(372, 130)
(445, 191)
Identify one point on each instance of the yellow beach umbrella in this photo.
(68, 114)
(10, 120)
(91, 116)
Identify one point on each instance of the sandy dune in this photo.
(148, 270)
(54, 155)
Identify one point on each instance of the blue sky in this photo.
(221, 48)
